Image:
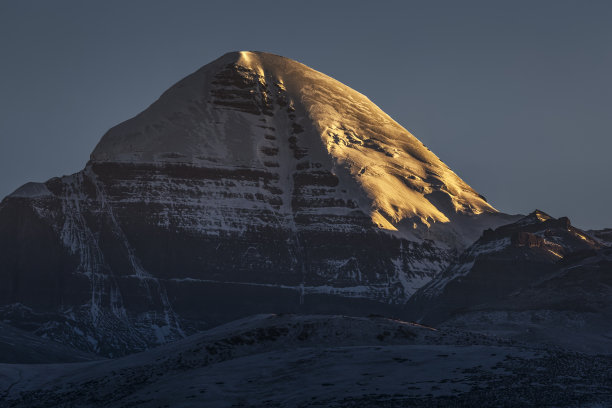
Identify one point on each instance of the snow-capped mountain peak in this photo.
(256, 184)
(263, 111)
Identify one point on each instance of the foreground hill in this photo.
(330, 361)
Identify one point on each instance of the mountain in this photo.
(603, 235)
(539, 279)
(254, 185)
(20, 347)
(327, 361)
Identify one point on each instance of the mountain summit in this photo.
(255, 184)
(232, 112)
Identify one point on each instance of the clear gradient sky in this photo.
(515, 96)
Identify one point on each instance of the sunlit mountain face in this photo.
(272, 114)
(257, 185)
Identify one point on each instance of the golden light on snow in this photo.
(389, 172)
(381, 221)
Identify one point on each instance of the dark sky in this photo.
(516, 97)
